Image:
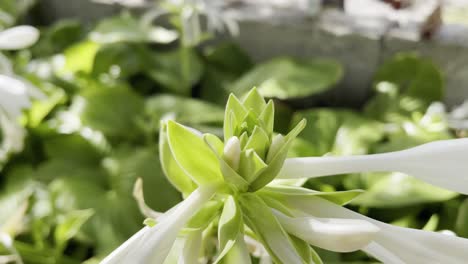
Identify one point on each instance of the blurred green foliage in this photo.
(67, 197)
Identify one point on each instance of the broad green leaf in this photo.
(126, 28)
(340, 132)
(114, 111)
(58, 37)
(41, 108)
(72, 147)
(229, 227)
(80, 57)
(119, 60)
(286, 78)
(259, 217)
(397, 189)
(70, 225)
(193, 154)
(415, 77)
(228, 57)
(225, 63)
(173, 171)
(127, 164)
(183, 110)
(176, 71)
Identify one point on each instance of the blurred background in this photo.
(82, 93)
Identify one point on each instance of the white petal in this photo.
(441, 163)
(19, 37)
(232, 151)
(335, 234)
(15, 95)
(153, 244)
(408, 245)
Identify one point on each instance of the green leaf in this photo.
(183, 110)
(229, 227)
(114, 111)
(125, 28)
(74, 148)
(204, 216)
(70, 225)
(286, 78)
(193, 154)
(396, 189)
(176, 71)
(80, 57)
(173, 171)
(41, 108)
(119, 60)
(58, 37)
(339, 132)
(415, 76)
(126, 164)
(259, 217)
(225, 63)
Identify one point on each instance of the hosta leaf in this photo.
(286, 78)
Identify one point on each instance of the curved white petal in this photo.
(392, 242)
(152, 245)
(442, 163)
(19, 37)
(335, 234)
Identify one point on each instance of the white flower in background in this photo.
(18, 37)
(15, 92)
(238, 175)
(458, 118)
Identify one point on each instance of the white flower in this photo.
(19, 37)
(442, 163)
(335, 234)
(12, 136)
(15, 95)
(152, 244)
(393, 244)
